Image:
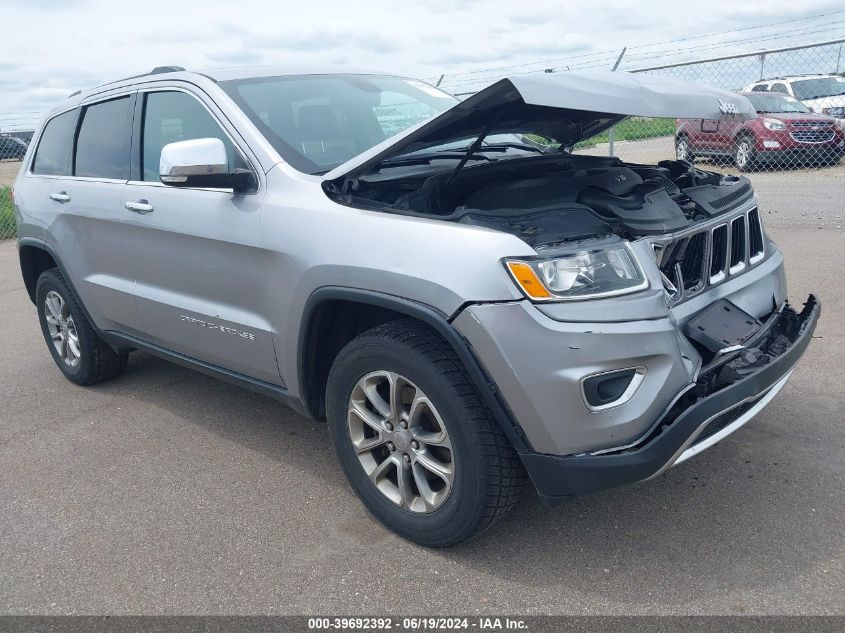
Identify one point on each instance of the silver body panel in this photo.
(538, 361)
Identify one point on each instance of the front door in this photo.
(201, 276)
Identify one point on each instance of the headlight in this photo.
(585, 273)
(774, 125)
(838, 111)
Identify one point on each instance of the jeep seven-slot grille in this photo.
(719, 258)
(738, 243)
(692, 262)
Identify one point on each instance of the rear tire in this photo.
(417, 399)
(81, 355)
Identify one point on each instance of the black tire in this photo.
(488, 475)
(96, 361)
(745, 154)
(683, 149)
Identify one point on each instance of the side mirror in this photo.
(200, 162)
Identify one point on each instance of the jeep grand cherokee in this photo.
(460, 297)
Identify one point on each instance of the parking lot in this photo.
(166, 491)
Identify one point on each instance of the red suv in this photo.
(785, 131)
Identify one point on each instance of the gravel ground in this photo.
(169, 492)
(8, 171)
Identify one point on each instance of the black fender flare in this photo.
(440, 322)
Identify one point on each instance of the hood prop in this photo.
(475, 145)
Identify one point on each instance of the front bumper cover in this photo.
(725, 396)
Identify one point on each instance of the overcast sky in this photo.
(54, 47)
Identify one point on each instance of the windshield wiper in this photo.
(506, 146)
(425, 159)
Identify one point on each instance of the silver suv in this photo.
(463, 299)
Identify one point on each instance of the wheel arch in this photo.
(745, 132)
(334, 315)
(35, 257)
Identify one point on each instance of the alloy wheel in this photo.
(62, 329)
(401, 441)
(743, 154)
(682, 149)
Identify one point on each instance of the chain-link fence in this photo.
(799, 93)
(16, 129)
(13, 146)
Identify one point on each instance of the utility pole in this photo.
(611, 135)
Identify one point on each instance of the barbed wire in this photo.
(615, 52)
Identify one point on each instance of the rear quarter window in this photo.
(102, 147)
(52, 157)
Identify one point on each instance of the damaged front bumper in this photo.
(726, 394)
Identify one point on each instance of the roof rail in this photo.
(158, 70)
(165, 69)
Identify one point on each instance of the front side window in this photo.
(170, 117)
(52, 158)
(102, 147)
(780, 88)
(317, 122)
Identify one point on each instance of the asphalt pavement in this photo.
(166, 491)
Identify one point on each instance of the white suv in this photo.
(823, 94)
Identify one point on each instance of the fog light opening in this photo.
(608, 389)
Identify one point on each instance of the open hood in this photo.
(568, 107)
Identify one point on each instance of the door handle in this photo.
(61, 197)
(140, 206)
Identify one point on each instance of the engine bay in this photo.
(549, 199)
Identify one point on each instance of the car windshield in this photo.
(816, 88)
(771, 104)
(317, 122)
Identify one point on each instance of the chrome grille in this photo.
(704, 258)
(812, 133)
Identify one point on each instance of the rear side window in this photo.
(52, 158)
(170, 117)
(102, 147)
(760, 88)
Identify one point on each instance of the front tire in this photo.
(81, 355)
(745, 154)
(683, 150)
(414, 439)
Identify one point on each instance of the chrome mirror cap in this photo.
(192, 158)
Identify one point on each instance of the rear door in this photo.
(51, 161)
(201, 277)
(85, 218)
